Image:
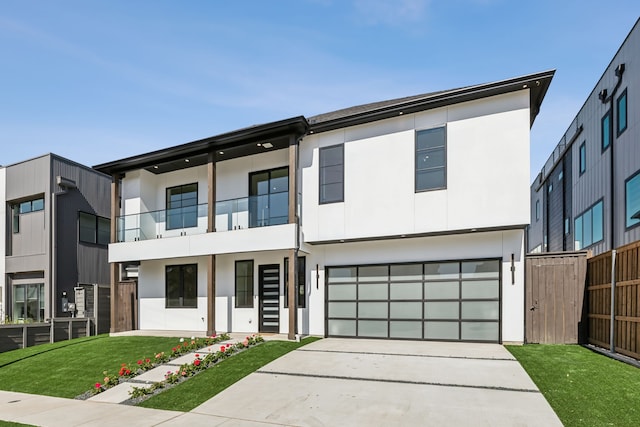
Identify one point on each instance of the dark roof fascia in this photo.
(296, 126)
(537, 84)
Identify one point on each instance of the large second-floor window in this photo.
(182, 206)
(589, 227)
(431, 159)
(25, 207)
(269, 197)
(632, 200)
(622, 112)
(332, 174)
(94, 229)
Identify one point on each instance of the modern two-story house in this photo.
(398, 219)
(56, 229)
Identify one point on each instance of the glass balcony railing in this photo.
(235, 214)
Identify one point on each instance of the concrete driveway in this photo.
(344, 382)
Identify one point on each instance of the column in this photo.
(293, 253)
(114, 267)
(211, 259)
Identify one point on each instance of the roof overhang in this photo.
(239, 143)
(537, 84)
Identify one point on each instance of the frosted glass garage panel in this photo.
(406, 272)
(442, 270)
(481, 289)
(406, 310)
(375, 273)
(373, 291)
(480, 331)
(404, 329)
(441, 330)
(342, 327)
(342, 274)
(489, 310)
(342, 309)
(481, 269)
(373, 310)
(372, 328)
(342, 291)
(442, 290)
(441, 310)
(406, 291)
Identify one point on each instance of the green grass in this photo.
(69, 368)
(202, 387)
(12, 424)
(584, 388)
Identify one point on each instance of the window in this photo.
(300, 298)
(567, 225)
(583, 157)
(550, 188)
(537, 210)
(632, 200)
(431, 159)
(622, 112)
(181, 283)
(244, 284)
(269, 197)
(94, 229)
(332, 174)
(588, 227)
(28, 302)
(182, 206)
(21, 208)
(605, 130)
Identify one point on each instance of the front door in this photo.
(269, 284)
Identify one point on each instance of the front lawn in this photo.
(584, 388)
(202, 387)
(69, 368)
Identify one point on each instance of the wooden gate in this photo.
(127, 306)
(555, 312)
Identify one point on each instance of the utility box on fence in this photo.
(94, 300)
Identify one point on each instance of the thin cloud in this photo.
(391, 13)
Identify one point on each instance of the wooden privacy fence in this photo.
(626, 298)
(24, 335)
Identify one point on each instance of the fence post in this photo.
(70, 329)
(24, 336)
(88, 326)
(612, 326)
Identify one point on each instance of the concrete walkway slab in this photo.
(117, 394)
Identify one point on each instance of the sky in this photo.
(101, 80)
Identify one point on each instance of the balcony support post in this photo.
(293, 253)
(114, 267)
(211, 259)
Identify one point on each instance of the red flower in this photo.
(197, 355)
(228, 345)
(127, 372)
(98, 385)
(147, 360)
(139, 362)
(222, 348)
(196, 362)
(173, 349)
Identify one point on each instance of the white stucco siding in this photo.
(487, 173)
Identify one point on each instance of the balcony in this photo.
(235, 214)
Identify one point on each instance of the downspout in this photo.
(619, 71)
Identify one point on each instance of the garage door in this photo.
(450, 301)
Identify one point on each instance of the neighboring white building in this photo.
(407, 218)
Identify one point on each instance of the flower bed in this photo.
(130, 370)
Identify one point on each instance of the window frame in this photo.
(167, 208)
(582, 158)
(16, 211)
(606, 118)
(415, 158)
(96, 229)
(588, 211)
(626, 203)
(301, 296)
(623, 96)
(537, 210)
(250, 292)
(182, 285)
(321, 167)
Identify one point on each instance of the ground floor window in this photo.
(300, 298)
(28, 302)
(181, 286)
(244, 284)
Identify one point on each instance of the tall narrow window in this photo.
(621, 123)
(182, 206)
(332, 174)
(300, 298)
(605, 130)
(632, 200)
(431, 159)
(583, 157)
(181, 286)
(269, 197)
(28, 302)
(537, 210)
(244, 284)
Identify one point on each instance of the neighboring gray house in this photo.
(587, 195)
(56, 232)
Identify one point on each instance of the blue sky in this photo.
(97, 81)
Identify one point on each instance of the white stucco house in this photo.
(407, 218)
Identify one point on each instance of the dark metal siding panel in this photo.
(534, 235)
(555, 210)
(568, 192)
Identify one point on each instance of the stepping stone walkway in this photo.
(120, 393)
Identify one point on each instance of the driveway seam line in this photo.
(408, 355)
(385, 380)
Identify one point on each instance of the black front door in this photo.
(269, 284)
